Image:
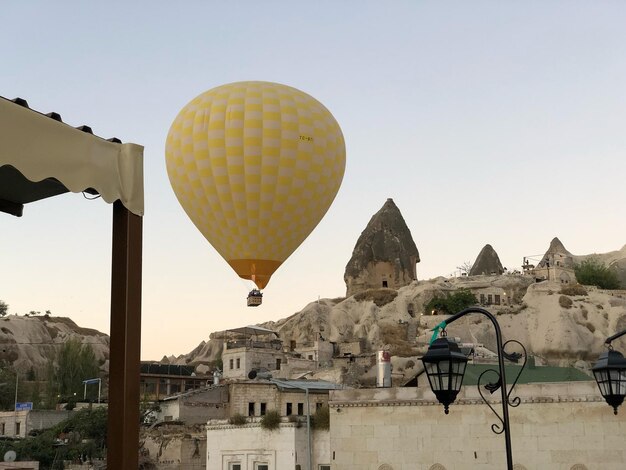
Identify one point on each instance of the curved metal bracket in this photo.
(514, 402)
(492, 387)
(495, 385)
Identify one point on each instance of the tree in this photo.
(75, 362)
(4, 308)
(465, 268)
(451, 303)
(593, 272)
(7, 387)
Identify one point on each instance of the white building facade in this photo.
(250, 447)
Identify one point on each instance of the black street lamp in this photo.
(610, 373)
(445, 367)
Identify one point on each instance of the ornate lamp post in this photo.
(445, 367)
(610, 373)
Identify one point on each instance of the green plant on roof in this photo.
(270, 420)
(237, 419)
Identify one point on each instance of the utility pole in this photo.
(17, 378)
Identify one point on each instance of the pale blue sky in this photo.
(486, 122)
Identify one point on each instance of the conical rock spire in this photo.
(384, 255)
(487, 262)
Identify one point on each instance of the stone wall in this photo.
(196, 407)
(30, 420)
(175, 452)
(557, 426)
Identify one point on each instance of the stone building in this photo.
(195, 406)
(260, 350)
(557, 264)
(159, 380)
(385, 254)
(254, 348)
(250, 447)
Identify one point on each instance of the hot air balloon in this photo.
(255, 165)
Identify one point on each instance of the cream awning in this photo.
(44, 150)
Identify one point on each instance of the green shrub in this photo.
(451, 303)
(321, 418)
(237, 419)
(565, 302)
(573, 289)
(593, 272)
(270, 420)
(380, 297)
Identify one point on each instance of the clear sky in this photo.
(486, 122)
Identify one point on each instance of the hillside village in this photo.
(356, 359)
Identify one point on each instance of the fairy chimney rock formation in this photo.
(557, 255)
(557, 264)
(385, 254)
(486, 263)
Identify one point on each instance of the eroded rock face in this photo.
(487, 262)
(27, 342)
(385, 254)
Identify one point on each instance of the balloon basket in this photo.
(255, 298)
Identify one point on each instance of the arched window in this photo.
(437, 466)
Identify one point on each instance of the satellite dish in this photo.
(10, 456)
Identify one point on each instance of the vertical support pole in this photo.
(123, 416)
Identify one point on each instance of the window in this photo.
(482, 299)
(288, 410)
(323, 467)
(251, 408)
(230, 364)
(238, 363)
(318, 405)
(497, 299)
(234, 466)
(384, 283)
(310, 357)
(300, 409)
(17, 428)
(277, 364)
(489, 299)
(2, 429)
(263, 408)
(261, 466)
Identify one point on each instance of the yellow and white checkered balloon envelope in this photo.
(255, 165)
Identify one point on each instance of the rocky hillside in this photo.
(31, 341)
(559, 329)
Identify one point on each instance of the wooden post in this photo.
(124, 368)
